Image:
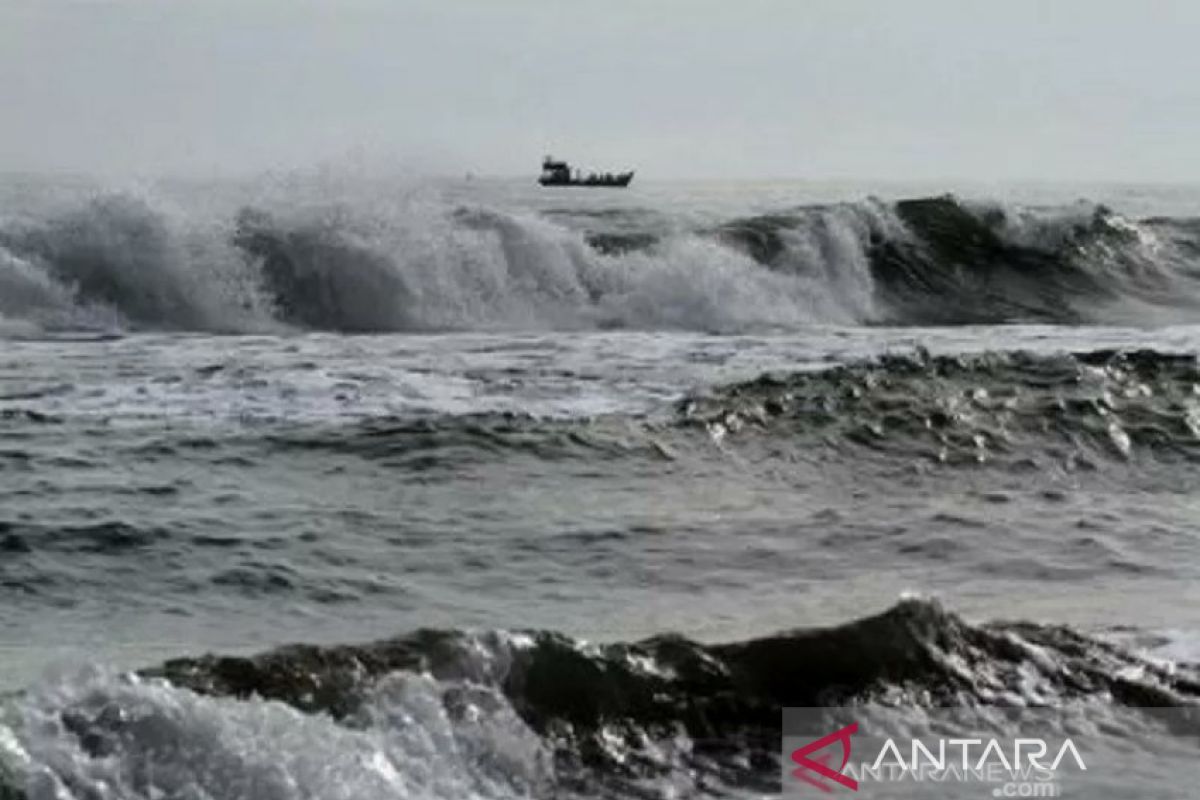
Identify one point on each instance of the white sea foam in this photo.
(99, 733)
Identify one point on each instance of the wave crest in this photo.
(500, 714)
(428, 265)
(116, 258)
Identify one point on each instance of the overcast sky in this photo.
(902, 89)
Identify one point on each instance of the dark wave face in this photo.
(119, 261)
(721, 692)
(540, 712)
(940, 261)
(320, 279)
(961, 268)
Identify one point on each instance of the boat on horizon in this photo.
(558, 173)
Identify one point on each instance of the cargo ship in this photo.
(558, 173)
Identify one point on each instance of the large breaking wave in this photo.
(455, 714)
(118, 261)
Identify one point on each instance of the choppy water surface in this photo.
(532, 482)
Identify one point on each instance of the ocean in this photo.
(339, 486)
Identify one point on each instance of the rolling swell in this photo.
(1013, 410)
(1016, 409)
(446, 442)
(551, 713)
(119, 261)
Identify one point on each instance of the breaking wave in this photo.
(120, 262)
(445, 713)
(117, 261)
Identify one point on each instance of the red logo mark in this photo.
(820, 764)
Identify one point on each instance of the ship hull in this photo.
(616, 182)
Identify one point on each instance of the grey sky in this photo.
(926, 89)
